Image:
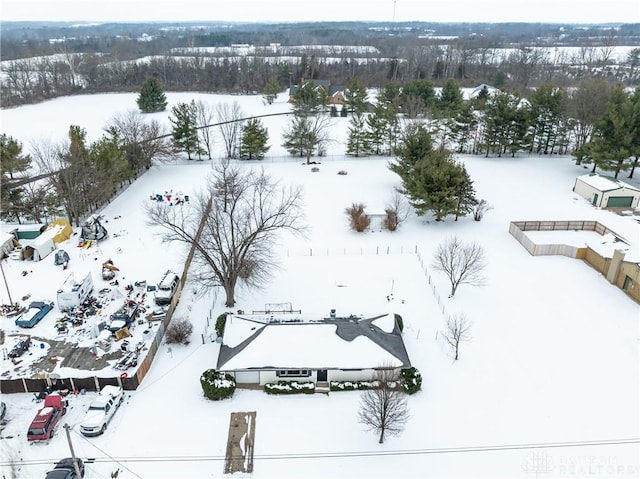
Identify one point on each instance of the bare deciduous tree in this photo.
(141, 137)
(204, 116)
(457, 331)
(385, 409)
(239, 214)
(228, 115)
(397, 210)
(178, 331)
(462, 263)
(480, 209)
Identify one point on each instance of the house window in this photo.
(293, 373)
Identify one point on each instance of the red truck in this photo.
(44, 423)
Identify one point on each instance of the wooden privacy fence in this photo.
(601, 264)
(518, 230)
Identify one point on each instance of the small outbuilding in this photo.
(605, 192)
(7, 243)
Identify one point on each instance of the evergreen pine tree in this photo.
(612, 142)
(254, 140)
(152, 98)
(271, 90)
(12, 160)
(356, 96)
(358, 139)
(185, 134)
(377, 129)
(465, 193)
(431, 179)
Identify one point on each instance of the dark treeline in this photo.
(119, 58)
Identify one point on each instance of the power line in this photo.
(352, 454)
(23, 181)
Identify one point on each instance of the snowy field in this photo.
(551, 369)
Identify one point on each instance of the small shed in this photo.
(606, 192)
(28, 231)
(40, 247)
(63, 228)
(6, 244)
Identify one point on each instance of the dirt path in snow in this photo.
(239, 457)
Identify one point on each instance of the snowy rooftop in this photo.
(324, 343)
(603, 183)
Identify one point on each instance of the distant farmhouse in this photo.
(335, 93)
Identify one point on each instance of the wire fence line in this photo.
(352, 251)
(432, 285)
(373, 251)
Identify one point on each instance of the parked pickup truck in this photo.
(43, 425)
(101, 410)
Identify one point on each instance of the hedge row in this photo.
(290, 387)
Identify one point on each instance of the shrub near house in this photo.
(217, 385)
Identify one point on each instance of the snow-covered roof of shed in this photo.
(320, 343)
(5, 237)
(604, 183)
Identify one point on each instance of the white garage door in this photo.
(248, 377)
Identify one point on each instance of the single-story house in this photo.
(260, 349)
(605, 192)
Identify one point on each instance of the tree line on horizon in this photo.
(597, 122)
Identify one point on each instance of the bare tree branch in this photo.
(462, 263)
(385, 409)
(457, 330)
(248, 211)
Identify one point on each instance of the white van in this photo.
(166, 287)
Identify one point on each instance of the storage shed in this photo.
(605, 192)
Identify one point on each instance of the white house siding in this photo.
(271, 377)
(247, 377)
(588, 192)
(264, 377)
(340, 375)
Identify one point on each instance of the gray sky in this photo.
(556, 11)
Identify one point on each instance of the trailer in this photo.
(72, 293)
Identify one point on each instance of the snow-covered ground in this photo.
(552, 366)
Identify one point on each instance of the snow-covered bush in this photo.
(290, 387)
(221, 321)
(217, 385)
(179, 331)
(412, 380)
(352, 385)
(399, 321)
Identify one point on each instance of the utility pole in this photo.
(5, 283)
(73, 454)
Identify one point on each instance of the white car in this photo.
(101, 411)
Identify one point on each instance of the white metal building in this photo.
(604, 192)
